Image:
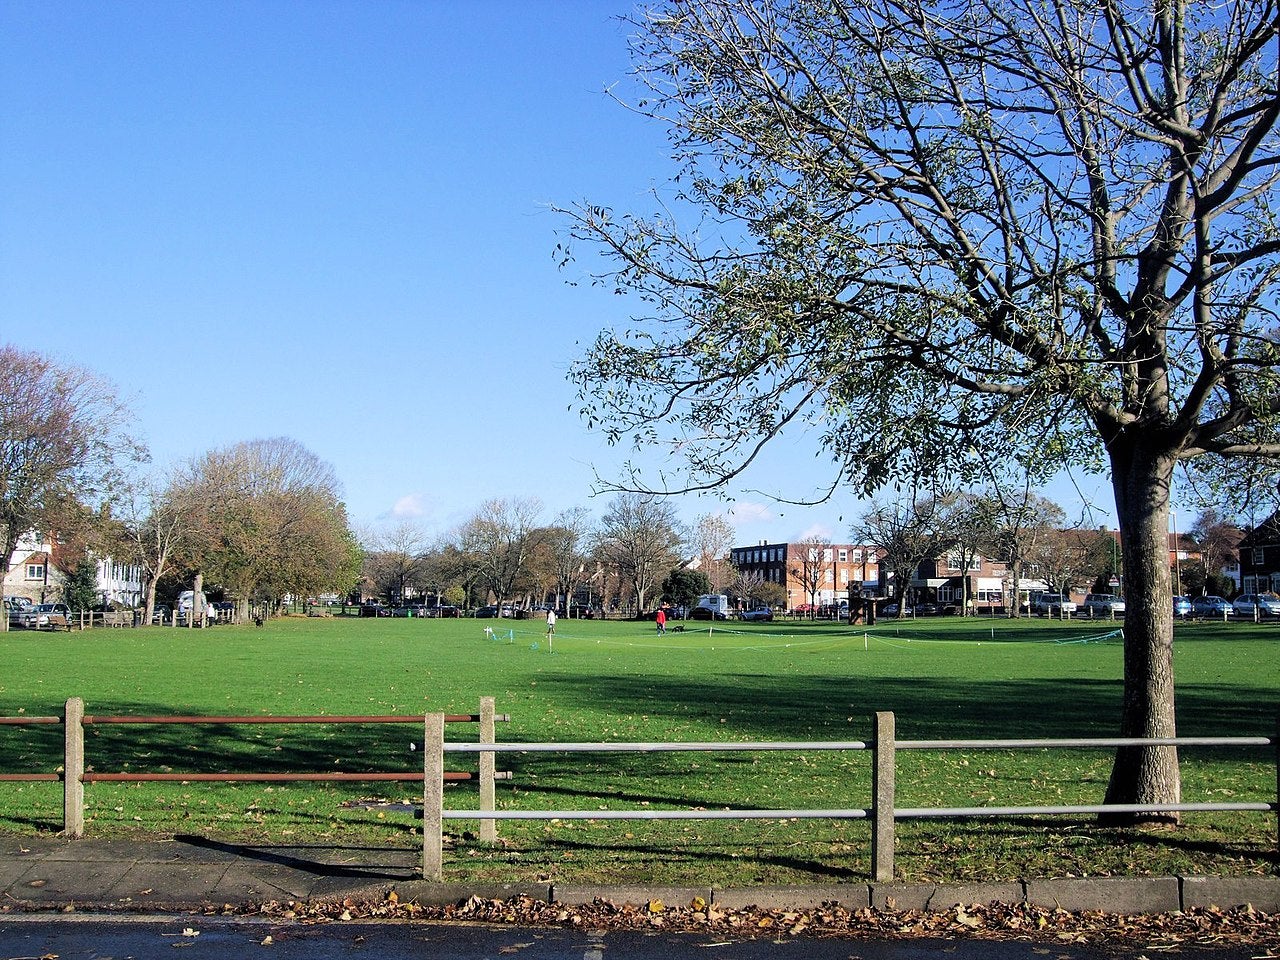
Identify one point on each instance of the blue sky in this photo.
(331, 221)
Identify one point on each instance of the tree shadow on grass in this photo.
(772, 706)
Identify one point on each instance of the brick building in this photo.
(826, 570)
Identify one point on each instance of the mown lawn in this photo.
(943, 678)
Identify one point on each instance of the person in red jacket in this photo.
(661, 620)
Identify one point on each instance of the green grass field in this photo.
(943, 678)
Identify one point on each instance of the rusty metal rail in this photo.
(75, 775)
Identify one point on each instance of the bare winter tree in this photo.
(1021, 522)
(395, 560)
(1044, 229)
(499, 540)
(566, 544)
(809, 568)
(641, 537)
(908, 532)
(712, 538)
(155, 518)
(745, 586)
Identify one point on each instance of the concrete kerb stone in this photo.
(638, 895)
(934, 896)
(853, 896)
(442, 894)
(1119, 895)
(1261, 893)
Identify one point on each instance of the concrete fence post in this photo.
(882, 832)
(73, 768)
(488, 766)
(433, 798)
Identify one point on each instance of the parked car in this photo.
(706, 613)
(889, 610)
(1210, 606)
(1103, 605)
(487, 612)
(1260, 604)
(162, 614)
(1053, 604)
(1182, 606)
(925, 609)
(764, 613)
(445, 612)
(46, 616)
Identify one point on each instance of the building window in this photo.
(1259, 555)
(844, 556)
(856, 556)
(35, 571)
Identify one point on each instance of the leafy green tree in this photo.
(80, 590)
(683, 587)
(267, 522)
(932, 230)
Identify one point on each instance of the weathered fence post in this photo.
(882, 806)
(73, 768)
(433, 798)
(488, 762)
(1277, 746)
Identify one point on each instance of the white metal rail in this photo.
(883, 813)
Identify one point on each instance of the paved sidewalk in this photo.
(194, 873)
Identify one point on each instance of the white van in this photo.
(717, 602)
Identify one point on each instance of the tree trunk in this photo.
(149, 608)
(1141, 479)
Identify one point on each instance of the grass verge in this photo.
(943, 678)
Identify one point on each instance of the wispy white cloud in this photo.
(408, 507)
(745, 512)
(816, 531)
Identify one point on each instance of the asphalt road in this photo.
(192, 938)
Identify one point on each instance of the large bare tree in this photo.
(711, 539)
(499, 541)
(640, 536)
(909, 531)
(1042, 227)
(63, 446)
(156, 517)
(809, 568)
(566, 543)
(395, 560)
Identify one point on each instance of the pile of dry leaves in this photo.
(990, 921)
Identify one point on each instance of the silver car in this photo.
(1259, 604)
(1103, 605)
(46, 616)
